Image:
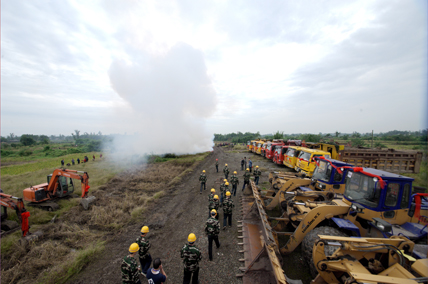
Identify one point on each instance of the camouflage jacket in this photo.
(228, 205)
(144, 246)
(234, 179)
(222, 187)
(247, 176)
(214, 204)
(225, 189)
(211, 196)
(191, 257)
(129, 270)
(257, 172)
(216, 163)
(212, 227)
(203, 178)
(226, 170)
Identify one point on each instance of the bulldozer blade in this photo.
(262, 260)
(85, 202)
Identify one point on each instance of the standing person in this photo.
(257, 174)
(191, 256)
(203, 180)
(227, 210)
(145, 257)
(222, 192)
(226, 187)
(216, 164)
(212, 228)
(156, 275)
(129, 266)
(78, 161)
(214, 204)
(242, 164)
(72, 161)
(93, 157)
(226, 171)
(101, 155)
(235, 182)
(246, 178)
(62, 162)
(211, 195)
(250, 165)
(245, 162)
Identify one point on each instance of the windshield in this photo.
(323, 171)
(290, 152)
(305, 156)
(269, 146)
(248, 143)
(278, 150)
(362, 189)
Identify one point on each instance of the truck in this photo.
(305, 162)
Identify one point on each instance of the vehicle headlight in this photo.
(381, 227)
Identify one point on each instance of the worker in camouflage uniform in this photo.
(211, 195)
(212, 228)
(246, 178)
(222, 192)
(191, 256)
(214, 204)
(143, 253)
(226, 171)
(129, 266)
(257, 174)
(227, 210)
(235, 182)
(203, 180)
(216, 164)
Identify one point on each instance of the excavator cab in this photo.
(65, 186)
(330, 174)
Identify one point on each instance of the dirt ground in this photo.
(182, 210)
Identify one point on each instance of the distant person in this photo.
(62, 162)
(156, 275)
(93, 157)
(257, 174)
(242, 164)
(226, 171)
(214, 204)
(129, 267)
(234, 180)
(250, 165)
(216, 164)
(203, 180)
(72, 162)
(245, 162)
(227, 210)
(211, 195)
(246, 178)
(101, 155)
(78, 161)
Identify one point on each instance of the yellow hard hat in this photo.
(226, 183)
(225, 180)
(257, 166)
(235, 172)
(203, 171)
(248, 169)
(134, 248)
(145, 229)
(228, 193)
(215, 211)
(216, 196)
(191, 238)
(225, 165)
(212, 189)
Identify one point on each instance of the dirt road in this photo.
(181, 211)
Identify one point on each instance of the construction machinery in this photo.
(270, 148)
(15, 203)
(369, 260)
(256, 144)
(305, 162)
(280, 150)
(290, 157)
(59, 184)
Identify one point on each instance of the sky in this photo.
(184, 70)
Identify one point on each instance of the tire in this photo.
(311, 239)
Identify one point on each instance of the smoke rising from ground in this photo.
(168, 97)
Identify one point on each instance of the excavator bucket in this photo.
(85, 202)
(262, 260)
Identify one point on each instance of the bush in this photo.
(14, 145)
(358, 142)
(5, 153)
(379, 145)
(25, 152)
(47, 148)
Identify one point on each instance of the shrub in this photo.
(379, 145)
(25, 152)
(5, 153)
(47, 148)
(358, 142)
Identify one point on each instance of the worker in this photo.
(245, 162)
(214, 204)
(145, 257)
(211, 195)
(72, 161)
(212, 228)
(227, 210)
(93, 157)
(191, 256)
(62, 163)
(222, 192)
(235, 181)
(226, 171)
(203, 180)
(242, 164)
(78, 161)
(130, 267)
(216, 164)
(226, 187)
(250, 165)
(257, 174)
(246, 178)
(156, 275)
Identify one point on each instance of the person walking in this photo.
(250, 165)
(145, 257)
(216, 164)
(245, 162)
(78, 161)
(72, 161)
(222, 192)
(242, 164)
(129, 267)
(203, 180)
(214, 204)
(191, 256)
(212, 228)
(156, 275)
(246, 178)
(235, 182)
(257, 174)
(227, 210)
(226, 171)
(211, 195)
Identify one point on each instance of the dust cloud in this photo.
(168, 98)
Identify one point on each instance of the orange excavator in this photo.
(60, 184)
(16, 203)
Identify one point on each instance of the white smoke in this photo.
(169, 98)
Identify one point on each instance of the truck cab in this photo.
(290, 157)
(330, 174)
(278, 155)
(270, 149)
(306, 164)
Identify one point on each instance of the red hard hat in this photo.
(216, 159)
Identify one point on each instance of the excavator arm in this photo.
(84, 179)
(17, 204)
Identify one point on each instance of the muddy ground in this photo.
(183, 210)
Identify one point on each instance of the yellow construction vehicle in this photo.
(306, 161)
(368, 260)
(290, 157)
(256, 144)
